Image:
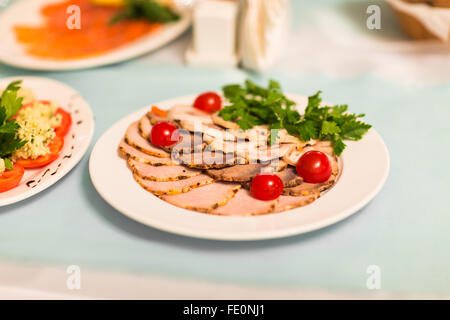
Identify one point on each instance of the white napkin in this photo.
(263, 31)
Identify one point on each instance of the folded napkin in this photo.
(263, 31)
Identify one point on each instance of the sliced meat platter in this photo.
(211, 167)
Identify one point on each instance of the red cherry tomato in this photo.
(208, 102)
(11, 178)
(55, 149)
(314, 167)
(266, 186)
(66, 122)
(164, 134)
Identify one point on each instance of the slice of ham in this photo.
(161, 173)
(130, 152)
(207, 159)
(173, 187)
(305, 188)
(145, 127)
(245, 172)
(322, 146)
(261, 131)
(206, 198)
(243, 204)
(213, 132)
(189, 142)
(154, 118)
(290, 177)
(273, 152)
(290, 202)
(188, 113)
(134, 139)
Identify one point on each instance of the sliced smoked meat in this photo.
(305, 188)
(188, 113)
(206, 198)
(290, 177)
(134, 139)
(322, 146)
(173, 187)
(155, 118)
(145, 127)
(161, 173)
(207, 159)
(243, 204)
(245, 172)
(189, 142)
(131, 152)
(291, 202)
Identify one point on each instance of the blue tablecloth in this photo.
(404, 230)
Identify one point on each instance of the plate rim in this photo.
(249, 235)
(69, 165)
(177, 28)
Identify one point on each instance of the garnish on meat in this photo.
(251, 105)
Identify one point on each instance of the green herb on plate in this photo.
(10, 104)
(149, 10)
(252, 105)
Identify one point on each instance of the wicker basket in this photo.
(412, 26)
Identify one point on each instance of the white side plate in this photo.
(365, 169)
(26, 12)
(76, 142)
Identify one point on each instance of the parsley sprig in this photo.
(149, 10)
(10, 104)
(252, 105)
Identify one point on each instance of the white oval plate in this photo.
(76, 142)
(365, 169)
(26, 12)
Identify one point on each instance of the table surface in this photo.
(403, 87)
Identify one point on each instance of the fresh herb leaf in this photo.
(8, 164)
(9, 106)
(329, 128)
(338, 145)
(149, 10)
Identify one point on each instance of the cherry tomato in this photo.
(55, 148)
(208, 102)
(314, 167)
(266, 186)
(9, 179)
(164, 134)
(66, 122)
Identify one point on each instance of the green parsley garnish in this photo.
(149, 10)
(9, 106)
(252, 105)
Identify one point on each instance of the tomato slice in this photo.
(66, 122)
(55, 148)
(11, 178)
